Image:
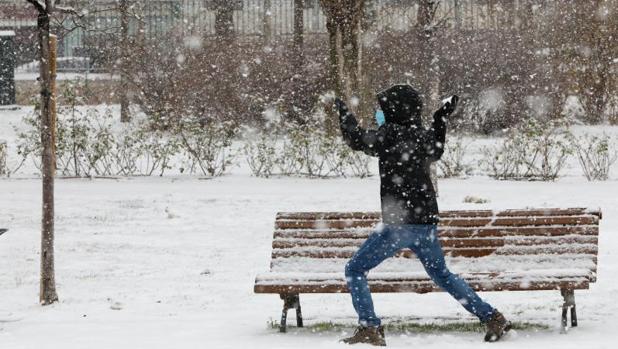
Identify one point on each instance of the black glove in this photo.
(449, 105)
(340, 107)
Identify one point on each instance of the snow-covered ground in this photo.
(170, 263)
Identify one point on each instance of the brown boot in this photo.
(497, 326)
(368, 335)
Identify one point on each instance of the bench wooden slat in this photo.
(446, 242)
(279, 244)
(444, 214)
(445, 232)
(425, 287)
(457, 252)
(449, 222)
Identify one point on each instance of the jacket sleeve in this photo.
(437, 135)
(371, 142)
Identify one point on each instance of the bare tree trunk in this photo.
(224, 22)
(430, 69)
(333, 61)
(297, 99)
(124, 60)
(267, 21)
(47, 293)
(515, 87)
(601, 35)
(344, 28)
(53, 58)
(299, 26)
(457, 13)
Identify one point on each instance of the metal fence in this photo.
(155, 18)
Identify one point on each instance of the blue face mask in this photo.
(380, 117)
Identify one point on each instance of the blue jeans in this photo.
(423, 241)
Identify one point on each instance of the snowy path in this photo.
(170, 262)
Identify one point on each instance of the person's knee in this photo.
(353, 269)
(440, 275)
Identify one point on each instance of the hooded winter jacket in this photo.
(405, 150)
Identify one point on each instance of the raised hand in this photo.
(340, 106)
(449, 104)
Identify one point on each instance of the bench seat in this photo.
(509, 250)
(419, 282)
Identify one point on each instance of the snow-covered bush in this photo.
(261, 154)
(3, 155)
(141, 151)
(293, 149)
(88, 144)
(356, 163)
(550, 148)
(127, 153)
(288, 161)
(596, 155)
(84, 138)
(359, 165)
(310, 151)
(74, 142)
(452, 163)
(341, 160)
(303, 151)
(29, 141)
(84, 142)
(159, 148)
(206, 147)
(504, 161)
(533, 150)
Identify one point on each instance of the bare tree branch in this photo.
(66, 10)
(39, 7)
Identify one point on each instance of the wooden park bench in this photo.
(511, 250)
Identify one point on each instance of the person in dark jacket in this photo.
(409, 208)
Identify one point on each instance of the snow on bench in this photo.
(514, 250)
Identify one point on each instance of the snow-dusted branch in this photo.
(50, 7)
(39, 7)
(66, 10)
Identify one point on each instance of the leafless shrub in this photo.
(596, 155)
(452, 163)
(260, 153)
(206, 146)
(3, 155)
(532, 151)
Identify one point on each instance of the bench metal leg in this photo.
(569, 302)
(290, 301)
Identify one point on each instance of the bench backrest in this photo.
(560, 240)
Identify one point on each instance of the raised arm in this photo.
(437, 132)
(368, 141)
